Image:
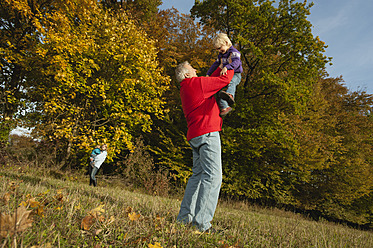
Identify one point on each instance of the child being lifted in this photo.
(229, 58)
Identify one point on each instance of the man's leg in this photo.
(187, 208)
(93, 174)
(89, 173)
(211, 179)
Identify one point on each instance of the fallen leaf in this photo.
(13, 186)
(133, 216)
(97, 211)
(156, 245)
(40, 211)
(18, 222)
(87, 222)
(92, 216)
(30, 203)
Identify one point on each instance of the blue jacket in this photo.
(95, 152)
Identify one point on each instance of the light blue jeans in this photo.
(203, 188)
(93, 176)
(231, 90)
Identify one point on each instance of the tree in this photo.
(344, 180)
(18, 37)
(99, 81)
(295, 138)
(178, 38)
(140, 10)
(282, 60)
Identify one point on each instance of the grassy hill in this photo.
(62, 210)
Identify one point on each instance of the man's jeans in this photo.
(202, 191)
(231, 90)
(92, 175)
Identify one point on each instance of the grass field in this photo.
(38, 210)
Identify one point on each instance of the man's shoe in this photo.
(226, 96)
(212, 230)
(225, 111)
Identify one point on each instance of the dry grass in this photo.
(67, 212)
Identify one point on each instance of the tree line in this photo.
(82, 72)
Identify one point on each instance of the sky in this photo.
(346, 27)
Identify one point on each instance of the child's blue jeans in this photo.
(231, 89)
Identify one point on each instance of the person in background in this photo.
(97, 162)
(229, 57)
(204, 123)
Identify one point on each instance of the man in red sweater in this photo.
(204, 123)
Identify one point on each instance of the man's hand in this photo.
(224, 71)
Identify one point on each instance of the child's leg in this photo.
(221, 102)
(233, 84)
(231, 90)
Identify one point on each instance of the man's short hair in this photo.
(180, 71)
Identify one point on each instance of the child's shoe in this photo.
(225, 111)
(226, 96)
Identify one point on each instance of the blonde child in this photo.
(228, 59)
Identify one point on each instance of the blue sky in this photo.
(346, 27)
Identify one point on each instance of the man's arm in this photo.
(216, 73)
(211, 85)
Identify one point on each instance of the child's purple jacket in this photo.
(236, 64)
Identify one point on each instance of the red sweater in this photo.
(199, 104)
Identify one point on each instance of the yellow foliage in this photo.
(101, 79)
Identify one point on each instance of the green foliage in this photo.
(293, 138)
(5, 128)
(282, 60)
(344, 177)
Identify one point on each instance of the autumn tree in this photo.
(18, 37)
(98, 79)
(140, 10)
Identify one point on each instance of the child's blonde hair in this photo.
(221, 39)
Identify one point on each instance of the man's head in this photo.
(183, 71)
(222, 43)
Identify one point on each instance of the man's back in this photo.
(199, 104)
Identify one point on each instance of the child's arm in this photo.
(213, 67)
